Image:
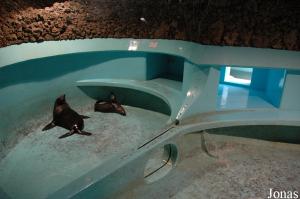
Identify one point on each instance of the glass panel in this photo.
(238, 75)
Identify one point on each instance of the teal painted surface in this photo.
(259, 79)
(156, 63)
(129, 172)
(179, 79)
(125, 95)
(195, 53)
(241, 98)
(39, 82)
(291, 95)
(266, 83)
(271, 133)
(222, 74)
(270, 82)
(200, 90)
(275, 85)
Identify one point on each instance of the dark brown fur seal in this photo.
(110, 106)
(67, 118)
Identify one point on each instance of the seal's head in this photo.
(61, 100)
(112, 97)
(119, 109)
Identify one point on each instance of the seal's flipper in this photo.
(83, 133)
(67, 134)
(49, 126)
(84, 117)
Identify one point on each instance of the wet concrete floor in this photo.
(244, 168)
(41, 163)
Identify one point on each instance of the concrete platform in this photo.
(235, 97)
(41, 163)
(245, 168)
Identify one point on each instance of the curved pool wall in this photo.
(180, 78)
(28, 89)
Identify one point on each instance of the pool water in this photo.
(41, 163)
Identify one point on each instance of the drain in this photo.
(160, 162)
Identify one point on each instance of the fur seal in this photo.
(110, 106)
(67, 118)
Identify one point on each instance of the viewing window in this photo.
(237, 75)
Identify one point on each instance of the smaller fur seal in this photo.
(67, 118)
(110, 106)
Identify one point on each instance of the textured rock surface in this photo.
(263, 24)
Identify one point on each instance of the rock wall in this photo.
(256, 23)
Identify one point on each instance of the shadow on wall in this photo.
(129, 97)
(288, 134)
(3, 195)
(164, 66)
(52, 67)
